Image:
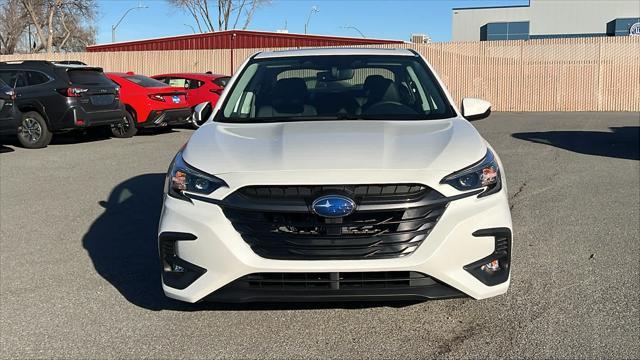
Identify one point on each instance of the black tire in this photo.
(33, 132)
(126, 128)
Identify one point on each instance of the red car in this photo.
(199, 87)
(152, 103)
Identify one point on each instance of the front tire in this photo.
(33, 133)
(126, 128)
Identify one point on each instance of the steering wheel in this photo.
(389, 108)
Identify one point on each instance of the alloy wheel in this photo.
(31, 130)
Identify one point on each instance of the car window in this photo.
(222, 81)
(184, 83)
(35, 78)
(342, 87)
(88, 77)
(194, 84)
(145, 81)
(20, 80)
(177, 82)
(9, 77)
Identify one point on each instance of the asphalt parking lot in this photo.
(79, 275)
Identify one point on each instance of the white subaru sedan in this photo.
(336, 174)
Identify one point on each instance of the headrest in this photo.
(380, 89)
(290, 95)
(371, 81)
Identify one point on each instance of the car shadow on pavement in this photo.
(622, 142)
(121, 243)
(5, 149)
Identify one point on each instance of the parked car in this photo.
(332, 174)
(55, 98)
(151, 103)
(200, 88)
(10, 117)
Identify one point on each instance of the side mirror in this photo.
(201, 113)
(475, 109)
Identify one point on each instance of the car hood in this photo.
(219, 148)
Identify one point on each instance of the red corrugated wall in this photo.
(236, 39)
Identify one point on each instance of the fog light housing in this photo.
(176, 272)
(493, 269)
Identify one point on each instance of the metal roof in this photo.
(333, 51)
(236, 39)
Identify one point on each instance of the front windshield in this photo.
(335, 88)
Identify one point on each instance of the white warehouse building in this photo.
(542, 19)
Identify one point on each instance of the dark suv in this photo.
(55, 98)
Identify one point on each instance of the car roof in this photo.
(45, 64)
(334, 52)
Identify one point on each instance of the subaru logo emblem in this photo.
(333, 206)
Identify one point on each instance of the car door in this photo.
(8, 113)
(33, 89)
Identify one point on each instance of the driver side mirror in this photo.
(475, 109)
(201, 113)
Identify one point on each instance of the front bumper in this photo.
(227, 260)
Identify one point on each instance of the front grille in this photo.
(393, 230)
(363, 193)
(335, 280)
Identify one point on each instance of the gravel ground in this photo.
(78, 265)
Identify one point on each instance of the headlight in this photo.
(183, 178)
(484, 174)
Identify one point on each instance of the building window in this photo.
(620, 27)
(505, 31)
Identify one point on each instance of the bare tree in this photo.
(61, 24)
(13, 22)
(226, 14)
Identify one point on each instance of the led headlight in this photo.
(182, 178)
(483, 174)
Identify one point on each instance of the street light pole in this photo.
(314, 9)
(354, 28)
(114, 27)
(191, 27)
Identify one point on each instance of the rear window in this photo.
(222, 81)
(88, 77)
(145, 81)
